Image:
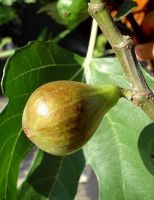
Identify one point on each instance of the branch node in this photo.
(139, 98)
(94, 8)
(126, 43)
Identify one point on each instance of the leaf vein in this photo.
(9, 165)
(119, 153)
(39, 68)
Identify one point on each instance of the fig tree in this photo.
(61, 116)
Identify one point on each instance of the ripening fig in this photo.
(61, 116)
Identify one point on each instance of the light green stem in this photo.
(91, 45)
(6, 53)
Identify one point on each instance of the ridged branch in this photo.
(123, 47)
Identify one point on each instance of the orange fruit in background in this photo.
(145, 51)
(139, 11)
(148, 24)
(141, 4)
(145, 18)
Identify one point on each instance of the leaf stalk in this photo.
(93, 35)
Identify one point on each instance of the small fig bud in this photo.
(61, 116)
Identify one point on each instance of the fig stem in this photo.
(123, 47)
(126, 93)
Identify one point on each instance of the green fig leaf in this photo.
(53, 177)
(29, 67)
(125, 8)
(120, 151)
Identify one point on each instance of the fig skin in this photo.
(61, 116)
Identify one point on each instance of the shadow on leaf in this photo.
(146, 147)
(52, 178)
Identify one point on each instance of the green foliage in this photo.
(7, 2)
(10, 2)
(51, 10)
(125, 8)
(100, 46)
(120, 151)
(6, 14)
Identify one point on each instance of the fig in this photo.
(61, 116)
(72, 12)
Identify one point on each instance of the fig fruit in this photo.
(72, 12)
(61, 116)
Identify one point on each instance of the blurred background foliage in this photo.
(66, 22)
